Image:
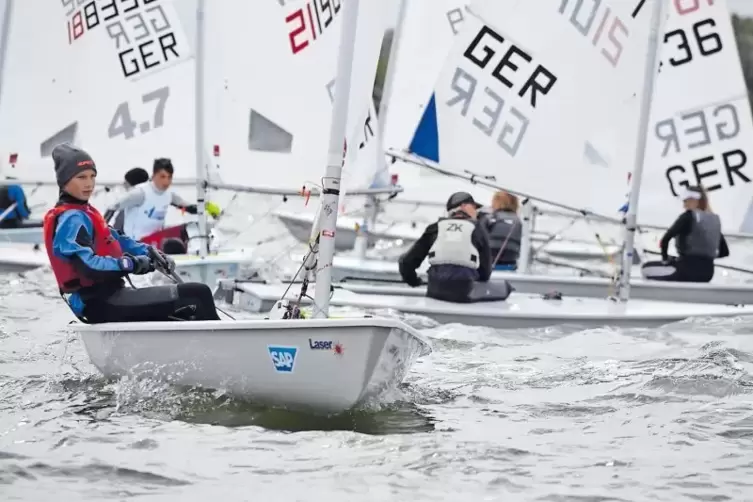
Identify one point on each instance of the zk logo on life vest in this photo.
(283, 358)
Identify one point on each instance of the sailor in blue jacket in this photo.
(13, 195)
(90, 259)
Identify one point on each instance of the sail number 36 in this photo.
(708, 43)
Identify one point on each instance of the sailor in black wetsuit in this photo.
(698, 237)
(459, 257)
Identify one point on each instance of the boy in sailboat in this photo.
(145, 208)
(132, 178)
(460, 259)
(698, 237)
(90, 259)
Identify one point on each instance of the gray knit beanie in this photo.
(69, 161)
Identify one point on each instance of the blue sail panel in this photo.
(426, 138)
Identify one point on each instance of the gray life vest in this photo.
(454, 245)
(500, 225)
(703, 239)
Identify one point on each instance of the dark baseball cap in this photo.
(459, 198)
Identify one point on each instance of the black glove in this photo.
(137, 265)
(415, 283)
(164, 261)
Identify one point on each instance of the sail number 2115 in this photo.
(310, 21)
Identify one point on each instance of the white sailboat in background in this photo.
(365, 163)
(242, 114)
(523, 120)
(421, 43)
(702, 128)
(709, 111)
(35, 104)
(32, 235)
(422, 39)
(116, 83)
(324, 364)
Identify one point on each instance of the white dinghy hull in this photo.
(212, 268)
(348, 268)
(518, 311)
(324, 365)
(24, 235)
(21, 258)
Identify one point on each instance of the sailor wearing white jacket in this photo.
(145, 206)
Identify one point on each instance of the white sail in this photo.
(702, 131)
(546, 100)
(35, 106)
(274, 65)
(362, 169)
(426, 38)
(133, 89)
(122, 87)
(426, 34)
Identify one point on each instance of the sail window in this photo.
(64, 135)
(266, 136)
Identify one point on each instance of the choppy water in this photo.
(550, 415)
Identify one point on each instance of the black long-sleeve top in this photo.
(683, 225)
(413, 258)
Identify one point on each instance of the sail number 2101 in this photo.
(608, 34)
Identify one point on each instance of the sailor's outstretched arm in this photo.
(132, 199)
(182, 203)
(412, 259)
